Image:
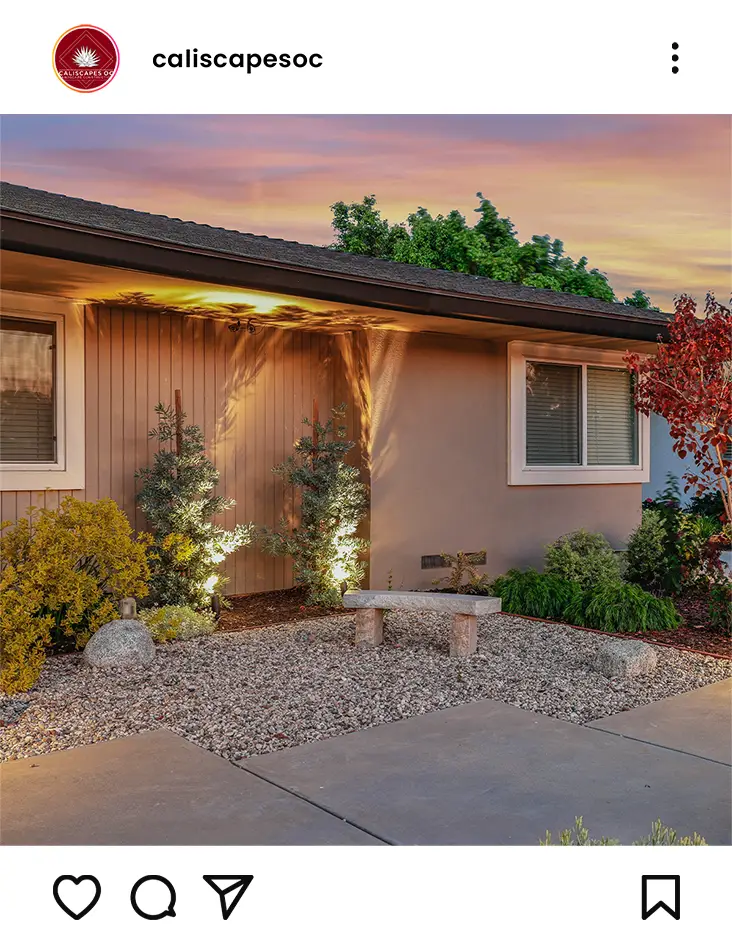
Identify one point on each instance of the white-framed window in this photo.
(571, 418)
(41, 393)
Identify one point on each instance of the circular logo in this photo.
(85, 58)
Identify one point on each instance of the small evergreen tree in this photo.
(324, 546)
(177, 500)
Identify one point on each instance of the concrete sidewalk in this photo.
(492, 774)
(481, 773)
(698, 722)
(154, 789)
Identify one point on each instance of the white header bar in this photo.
(388, 56)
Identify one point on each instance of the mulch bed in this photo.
(249, 611)
(695, 633)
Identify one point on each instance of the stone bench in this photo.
(465, 608)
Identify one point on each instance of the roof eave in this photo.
(30, 235)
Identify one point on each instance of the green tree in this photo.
(324, 545)
(177, 498)
(640, 299)
(488, 248)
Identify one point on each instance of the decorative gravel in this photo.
(249, 692)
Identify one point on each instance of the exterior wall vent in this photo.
(437, 561)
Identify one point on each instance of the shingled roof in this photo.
(30, 204)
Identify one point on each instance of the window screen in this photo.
(27, 391)
(553, 414)
(612, 438)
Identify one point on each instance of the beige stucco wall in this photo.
(438, 465)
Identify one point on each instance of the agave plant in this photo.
(86, 57)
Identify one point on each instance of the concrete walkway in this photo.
(481, 773)
(698, 722)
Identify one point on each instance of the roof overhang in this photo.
(30, 235)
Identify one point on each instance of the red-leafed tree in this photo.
(689, 382)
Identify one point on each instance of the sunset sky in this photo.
(648, 199)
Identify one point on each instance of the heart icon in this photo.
(77, 896)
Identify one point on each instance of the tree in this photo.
(689, 382)
(489, 248)
(178, 501)
(324, 546)
(640, 300)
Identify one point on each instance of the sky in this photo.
(648, 199)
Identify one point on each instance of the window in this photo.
(41, 393)
(27, 390)
(572, 419)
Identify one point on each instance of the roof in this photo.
(28, 205)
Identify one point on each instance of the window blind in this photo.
(553, 414)
(27, 391)
(612, 438)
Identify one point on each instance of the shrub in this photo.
(324, 547)
(535, 595)
(584, 557)
(176, 497)
(710, 504)
(652, 559)
(622, 608)
(461, 564)
(63, 573)
(720, 607)
(177, 622)
(701, 565)
(660, 835)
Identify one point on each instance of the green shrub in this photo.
(720, 607)
(710, 503)
(325, 547)
(622, 608)
(660, 835)
(177, 498)
(177, 622)
(652, 559)
(584, 557)
(535, 595)
(701, 566)
(64, 572)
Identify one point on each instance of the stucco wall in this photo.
(438, 465)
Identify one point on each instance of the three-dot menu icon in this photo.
(675, 58)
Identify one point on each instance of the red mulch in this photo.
(695, 632)
(271, 607)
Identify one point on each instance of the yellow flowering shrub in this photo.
(63, 573)
(177, 622)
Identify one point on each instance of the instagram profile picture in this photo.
(85, 58)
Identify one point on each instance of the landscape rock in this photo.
(121, 643)
(625, 658)
(238, 693)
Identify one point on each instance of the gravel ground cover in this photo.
(247, 692)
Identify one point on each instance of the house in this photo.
(487, 415)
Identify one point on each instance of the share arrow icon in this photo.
(229, 888)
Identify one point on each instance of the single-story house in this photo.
(486, 414)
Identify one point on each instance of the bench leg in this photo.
(369, 627)
(464, 635)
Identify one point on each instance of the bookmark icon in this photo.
(660, 892)
(229, 888)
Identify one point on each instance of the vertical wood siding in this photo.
(249, 394)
